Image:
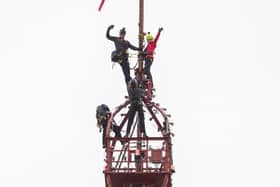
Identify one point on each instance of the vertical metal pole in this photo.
(165, 180)
(141, 31)
(109, 180)
(139, 163)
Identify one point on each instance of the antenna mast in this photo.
(140, 161)
(141, 32)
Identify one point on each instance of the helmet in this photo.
(149, 37)
(122, 31)
(133, 83)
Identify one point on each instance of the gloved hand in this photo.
(160, 29)
(111, 26)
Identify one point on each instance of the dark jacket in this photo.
(102, 114)
(135, 95)
(121, 45)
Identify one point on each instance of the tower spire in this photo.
(141, 31)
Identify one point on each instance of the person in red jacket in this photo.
(149, 53)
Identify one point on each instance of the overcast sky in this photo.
(216, 70)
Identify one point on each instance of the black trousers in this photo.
(116, 129)
(147, 68)
(131, 113)
(125, 68)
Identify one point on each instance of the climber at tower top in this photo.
(149, 53)
(120, 54)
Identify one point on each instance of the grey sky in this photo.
(216, 70)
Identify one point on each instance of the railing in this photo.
(153, 155)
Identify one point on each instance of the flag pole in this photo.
(141, 31)
(139, 166)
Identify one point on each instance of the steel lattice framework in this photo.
(140, 161)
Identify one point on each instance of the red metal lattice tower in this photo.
(140, 161)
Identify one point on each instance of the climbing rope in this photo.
(130, 56)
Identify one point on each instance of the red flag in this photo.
(101, 4)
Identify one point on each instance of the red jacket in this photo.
(150, 48)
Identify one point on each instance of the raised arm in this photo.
(109, 37)
(158, 34)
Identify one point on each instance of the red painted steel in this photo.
(141, 161)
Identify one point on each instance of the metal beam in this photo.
(141, 31)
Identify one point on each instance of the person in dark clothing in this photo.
(149, 53)
(135, 96)
(102, 115)
(121, 52)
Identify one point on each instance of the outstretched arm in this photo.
(133, 47)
